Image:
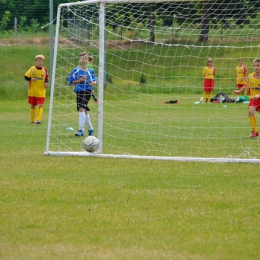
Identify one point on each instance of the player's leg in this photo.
(204, 96)
(93, 95)
(210, 89)
(80, 108)
(40, 102)
(238, 86)
(32, 114)
(252, 120)
(87, 117)
(205, 88)
(32, 101)
(89, 124)
(209, 96)
(39, 114)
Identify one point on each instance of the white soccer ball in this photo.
(90, 144)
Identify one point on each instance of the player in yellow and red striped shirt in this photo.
(253, 87)
(38, 82)
(209, 73)
(241, 72)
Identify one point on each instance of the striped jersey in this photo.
(78, 73)
(241, 74)
(36, 88)
(253, 85)
(209, 73)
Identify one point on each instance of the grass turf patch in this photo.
(100, 208)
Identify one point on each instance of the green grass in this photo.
(183, 74)
(142, 124)
(105, 208)
(15, 60)
(101, 208)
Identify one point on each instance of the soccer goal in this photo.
(149, 57)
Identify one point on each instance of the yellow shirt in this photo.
(36, 88)
(209, 73)
(241, 73)
(253, 85)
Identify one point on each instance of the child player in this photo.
(83, 79)
(241, 72)
(38, 82)
(209, 73)
(253, 86)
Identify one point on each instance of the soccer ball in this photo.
(90, 144)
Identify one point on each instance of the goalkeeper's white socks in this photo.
(82, 116)
(88, 123)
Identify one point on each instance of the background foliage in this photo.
(33, 16)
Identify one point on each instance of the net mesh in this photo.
(155, 53)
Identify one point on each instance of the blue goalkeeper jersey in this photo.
(78, 73)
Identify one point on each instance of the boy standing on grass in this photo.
(38, 82)
(241, 72)
(84, 80)
(253, 85)
(209, 73)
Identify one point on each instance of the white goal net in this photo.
(149, 58)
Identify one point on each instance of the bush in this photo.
(143, 79)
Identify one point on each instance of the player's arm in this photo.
(256, 96)
(93, 77)
(236, 92)
(235, 80)
(76, 81)
(27, 75)
(74, 78)
(245, 72)
(46, 83)
(204, 72)
(27, 78)
(46, 79)
(92, 83)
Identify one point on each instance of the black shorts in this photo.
(83, 99)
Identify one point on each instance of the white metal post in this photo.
(101, 72)
(53, 80)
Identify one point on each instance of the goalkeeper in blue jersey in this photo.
(84, 79)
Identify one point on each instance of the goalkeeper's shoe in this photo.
(254, 134)
(79, 133)
(91, 132)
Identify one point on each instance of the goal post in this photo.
(149, 57)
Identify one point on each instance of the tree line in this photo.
(33, 15)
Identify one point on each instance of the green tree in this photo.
(204, 13)
(4, 21)
(205, 23)
(37, 10)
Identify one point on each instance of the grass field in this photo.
(143, 125)
(105, 208)
(100, 208)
